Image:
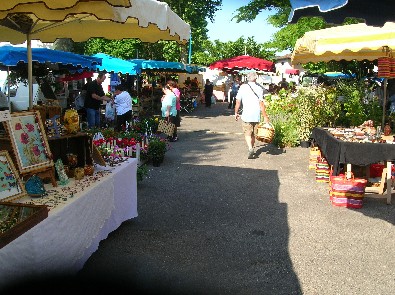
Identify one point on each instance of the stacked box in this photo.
(322, 170)
(315, 153)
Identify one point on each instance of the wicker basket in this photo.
(265, 132)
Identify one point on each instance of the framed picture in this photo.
(29, 141)
(11, 186)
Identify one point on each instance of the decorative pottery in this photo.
(63, 177)
(71, 121)
(79, 173)
(387, 129)
(35, 187)
(72, 160)
(88, 170)
(69, 171)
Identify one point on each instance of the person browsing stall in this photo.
(208, 92)
(123, 106)
(94, 98)
(251, 95)
(174, 87)
(169, 110)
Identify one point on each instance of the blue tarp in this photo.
(117, 65)
(11, 56)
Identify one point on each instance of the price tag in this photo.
(5, 116)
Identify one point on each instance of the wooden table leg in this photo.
(389, 183)
(348, 173)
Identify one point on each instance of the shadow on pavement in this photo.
(202, 228)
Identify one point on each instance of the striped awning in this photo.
(350, 42)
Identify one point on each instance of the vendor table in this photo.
(64, 241)
(339, 152)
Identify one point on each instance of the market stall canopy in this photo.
(12, 56)
(351, 42)
(117, 65)
(76, 76)
(243, 62)
(148, 65)
(57, 4)
(148, 20)
(194, 69)
(292, 71)
(335, 11)
(166, 66)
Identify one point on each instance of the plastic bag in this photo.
(110, 112)
(80, 100)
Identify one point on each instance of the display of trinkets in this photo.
(57, 196)
(360, 134)
(15, 219)
(54, 128)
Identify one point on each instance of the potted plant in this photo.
(157, 148)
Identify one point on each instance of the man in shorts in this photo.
(251, 95)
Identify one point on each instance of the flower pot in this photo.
(157, 161)
(305, 144)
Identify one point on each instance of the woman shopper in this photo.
(174, 87)
(123, 106)
(169, 111)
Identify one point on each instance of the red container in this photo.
(375, 170)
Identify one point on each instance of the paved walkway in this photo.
(212, 221)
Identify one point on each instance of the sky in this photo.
(224, 29)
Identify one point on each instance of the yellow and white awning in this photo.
(350, 42)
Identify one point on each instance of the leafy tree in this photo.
(287, 35)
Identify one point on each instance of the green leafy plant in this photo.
(142, 172)
(281, 110)
(353, 109)
(157, 148)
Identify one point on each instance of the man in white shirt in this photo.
(123, 106)
(251, 95)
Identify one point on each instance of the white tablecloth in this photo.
(65, 240)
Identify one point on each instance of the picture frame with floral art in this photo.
(29, 142)
(11, 186)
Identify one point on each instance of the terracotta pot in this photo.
(387, 129)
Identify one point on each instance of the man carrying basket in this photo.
(251, 95)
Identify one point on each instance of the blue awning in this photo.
(117, 65)
(193, 69)
(12, 56)
(160, 66)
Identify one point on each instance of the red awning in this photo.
(77, 76)
(243, 62)
(292, 71)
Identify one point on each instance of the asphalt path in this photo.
(212, 221)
